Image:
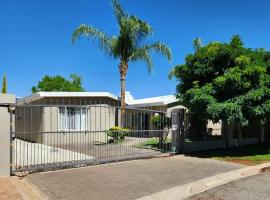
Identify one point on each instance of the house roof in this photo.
(132, 102)
(153, 101)
(40, 95)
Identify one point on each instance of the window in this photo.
(71, 118)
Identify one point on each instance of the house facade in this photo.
(66, 112)
(78, 115)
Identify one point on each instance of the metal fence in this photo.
(194, 139)
(53, 136)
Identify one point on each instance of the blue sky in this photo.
(36, 38)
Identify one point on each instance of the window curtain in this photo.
(83, 119)
(71, 118)
(77, 122)
(62, 118)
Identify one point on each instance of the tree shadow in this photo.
(248, 150)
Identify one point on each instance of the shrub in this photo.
(117, 133)
(160, 122)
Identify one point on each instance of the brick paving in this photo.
(8, 190)
(14, 188)
(80, 154)
(126, 180)
(101, 151)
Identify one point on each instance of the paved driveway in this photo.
(8, 190)
(13, 188)
(256, 187)
(106, 151)
(36, 156)
(126, 180)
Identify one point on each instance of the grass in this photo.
(152, 144)
(250, 154)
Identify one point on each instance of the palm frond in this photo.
(171, 73)
(132, 32)
(98, 36)
(139, 29)
(118, 11)
(157, 47)
(161, 48)
(116, 51)
(132, 29)
(143, 55)
(148, 60)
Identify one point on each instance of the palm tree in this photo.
(128, 46)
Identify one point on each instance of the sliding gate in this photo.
(47, 137)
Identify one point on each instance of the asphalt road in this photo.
(256, 187)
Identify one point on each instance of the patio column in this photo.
(5, 128)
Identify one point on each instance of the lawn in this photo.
(250, 154)
(154, 144)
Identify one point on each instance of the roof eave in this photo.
(40, 95)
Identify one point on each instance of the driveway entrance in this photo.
(126, 180)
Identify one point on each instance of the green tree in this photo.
(197, 44)
(59, 84)
(4, 84)
(225, 81)
(128, 46)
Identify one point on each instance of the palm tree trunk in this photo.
(123, 66)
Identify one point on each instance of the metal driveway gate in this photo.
(47, 137)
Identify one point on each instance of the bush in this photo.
(117, 133)
(160, 122)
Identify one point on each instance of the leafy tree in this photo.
(128, 46)
(59, 84)
(236, 42)
(4, 85)
(225, 81)
(197, 44)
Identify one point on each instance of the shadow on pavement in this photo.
(248, 150)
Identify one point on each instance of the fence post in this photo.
(178, 135)
(5, 137)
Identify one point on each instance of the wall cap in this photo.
(7, 99)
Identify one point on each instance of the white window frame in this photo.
(67, 120)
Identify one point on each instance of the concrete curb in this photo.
(190, 189)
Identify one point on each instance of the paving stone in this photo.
(126, 180)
